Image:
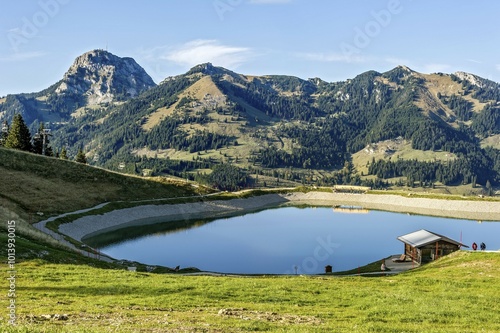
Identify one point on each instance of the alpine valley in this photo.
(399, 127)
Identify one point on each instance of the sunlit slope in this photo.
(33, 184)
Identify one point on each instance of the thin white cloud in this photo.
(21, 56)
(474, 61)
(201, 51)
(332, 57)
(268, 2)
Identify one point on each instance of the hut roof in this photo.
(423, 237)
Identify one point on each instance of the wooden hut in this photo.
(423, 246)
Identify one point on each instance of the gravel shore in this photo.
(150, 214)
(463, 209)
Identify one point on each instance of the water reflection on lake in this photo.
(290, 239)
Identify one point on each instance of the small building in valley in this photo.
(350, 189)
(424, 246)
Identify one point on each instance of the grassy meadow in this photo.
(33, 183)
(61, 291)
(458, 293)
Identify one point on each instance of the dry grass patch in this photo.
(197, 91)
(33, 183)
(443, 83)
(394, 150)
(492, 141)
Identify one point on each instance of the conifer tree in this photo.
(19, 136)
(38, 143)
(80, 157)
(4, 133)
(63, 155)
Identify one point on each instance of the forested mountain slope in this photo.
(211, 115)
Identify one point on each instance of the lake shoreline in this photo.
(150, 214)
(93, 225)
(461, 209)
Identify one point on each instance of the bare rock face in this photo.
(471, 78)
(103, 77)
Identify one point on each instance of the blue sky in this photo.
(331, 39)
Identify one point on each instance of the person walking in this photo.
(474, 246)
(383, 267)
(483, 246)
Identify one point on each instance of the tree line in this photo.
(18, 136)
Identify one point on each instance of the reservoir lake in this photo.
(286, 240)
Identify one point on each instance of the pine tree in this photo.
(63, 155)
(4, 133)
(49, 151)
(80, 157)
(19, 136)
(38, 141)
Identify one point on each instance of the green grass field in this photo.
(458, 293)
(61, 291)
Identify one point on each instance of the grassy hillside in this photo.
(458, 293)
(31, 183)
(395, 149)
(492, 141)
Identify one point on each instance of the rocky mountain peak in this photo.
(209, 69)
(104, 77)
(405, 68)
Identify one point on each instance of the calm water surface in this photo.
(288, 240)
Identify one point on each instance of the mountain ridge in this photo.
(212, 115)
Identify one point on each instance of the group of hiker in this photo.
(482, 246)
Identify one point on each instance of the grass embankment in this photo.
(458, 293)
(33, 183)
(29, 247)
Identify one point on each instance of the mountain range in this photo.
(425, 128)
